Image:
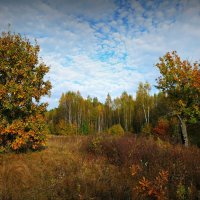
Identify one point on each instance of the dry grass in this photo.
(80, 167)
(62, 171)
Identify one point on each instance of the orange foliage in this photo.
(180, 80)
(22, 135)
(22, 124)
(162, 127)
(155, 189)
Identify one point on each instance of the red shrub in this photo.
(162, 127)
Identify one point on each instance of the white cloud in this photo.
(101, 46)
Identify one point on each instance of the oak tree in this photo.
(180, 81)
(22, 84)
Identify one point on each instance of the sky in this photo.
(104, 46)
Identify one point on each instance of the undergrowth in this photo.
(102, 167)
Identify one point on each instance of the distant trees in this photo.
(84, 116)
(22, 85)
(180, 81)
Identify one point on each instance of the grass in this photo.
(86, 167)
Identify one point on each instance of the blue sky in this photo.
(104, 46)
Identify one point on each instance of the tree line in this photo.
(77, 115)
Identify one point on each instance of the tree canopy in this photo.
(180, 81)
(22, 85)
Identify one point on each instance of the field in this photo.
(99, 167)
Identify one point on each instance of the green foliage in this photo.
(91, 116)
(65, 128)
(76, 115)
(84, 128)
(180, 80)
(116, 130)
(22, 123)
(181, 192)
(147, 129)
(161, 106)
(193, 130)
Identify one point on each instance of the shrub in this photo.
(65, 128)
(95, 145)
(162, 127)
(147, 129)
(147, 158)
(181, 192)
(116, 130)
(155, 189)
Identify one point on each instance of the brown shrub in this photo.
(153, 156)
(162, 127)
(71, 169)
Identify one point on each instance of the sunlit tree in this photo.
(180, 81)
(22, 85)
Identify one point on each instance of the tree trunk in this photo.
(145, 115)
(70, 118)
(99, 125)
(118, 117)
(184, 135)
(148, 114)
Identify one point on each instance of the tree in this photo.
(22, 124)
(124, 103)
(117, 108)
(180, 81)
(161, 106)
(108, 111)
(143, 104)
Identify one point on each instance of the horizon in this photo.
(104, 46)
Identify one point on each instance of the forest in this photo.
(147, 115)
(89, 115)
(143, 147)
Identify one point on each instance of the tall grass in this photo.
(80, 167)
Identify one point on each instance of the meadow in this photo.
(102, 167)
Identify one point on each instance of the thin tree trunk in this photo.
(125, 119)
(148, 114)
(118, 117)
(145, 115)
(99, 126)
(184, 135)
(130, 127)
(70, 119)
